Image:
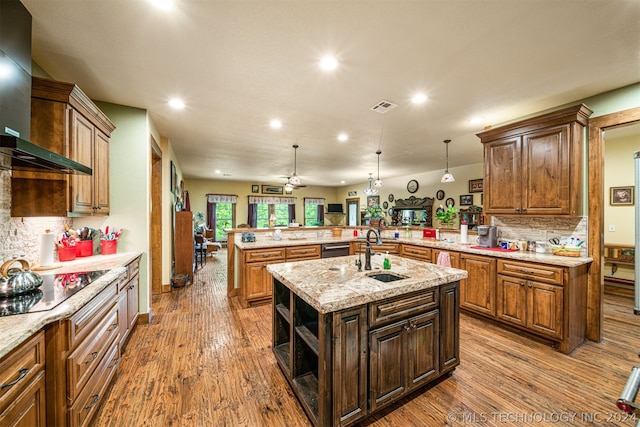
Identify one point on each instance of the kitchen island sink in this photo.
(386, 277)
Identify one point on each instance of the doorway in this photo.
(596, 201)
(155, 225)
(353, 212)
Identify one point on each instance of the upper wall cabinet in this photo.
(534, 167)
(65, 121)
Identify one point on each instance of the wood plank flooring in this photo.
(205, 361)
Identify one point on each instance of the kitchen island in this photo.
(350, 344)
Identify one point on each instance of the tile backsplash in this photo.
(541, 228)
(20, 237)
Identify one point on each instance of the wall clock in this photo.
(450, 202)
(412, 186)
(391, 198)
(440, 195)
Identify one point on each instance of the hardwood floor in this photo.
(205, 361)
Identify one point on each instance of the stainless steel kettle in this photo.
(16, 281)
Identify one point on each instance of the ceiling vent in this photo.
(383, 106)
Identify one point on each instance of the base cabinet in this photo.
(22, 375)
(478, 290)
(128, 302)
(345, 365)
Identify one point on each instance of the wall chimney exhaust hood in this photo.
(28, 156)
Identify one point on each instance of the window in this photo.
(263, 210)
(313, 211)
(223, 220)
(221, 214)
(280, 211)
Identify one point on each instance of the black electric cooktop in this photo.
(55, 289)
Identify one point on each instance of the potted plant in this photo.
(446, 216)
(374, 213)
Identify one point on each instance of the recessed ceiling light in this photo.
(217, 171)
(328, 63)
(343, 181)
(476, 120)
(275, 124)
(418, 98)
(163, 4)
(343, 137)
(176, 103)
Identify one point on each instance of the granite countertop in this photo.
(19, 327)
(562, 261)
(334, 284)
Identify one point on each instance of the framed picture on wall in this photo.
(272, 189)
(373, 201)
(621, 196)
(255, 188)
(466, 200)
(173, 184)
(475, 185)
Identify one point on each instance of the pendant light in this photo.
(294, 180)
(447, 177)
(378, 182)
(369, 191)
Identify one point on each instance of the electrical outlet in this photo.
(612, 228)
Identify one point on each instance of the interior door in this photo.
(353, 212)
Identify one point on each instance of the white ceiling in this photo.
(238, 64)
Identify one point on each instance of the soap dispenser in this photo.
(387, 262)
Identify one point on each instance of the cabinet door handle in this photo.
(112, 327)
(526, 271)
(114, 363)
(95, 397)
(414, 326)
(406, 327)
(93, 357)
(22, 373)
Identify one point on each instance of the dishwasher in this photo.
(331, 250)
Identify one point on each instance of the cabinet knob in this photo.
(517, 209)
(406, 327)
(524, 209)
(521, 283)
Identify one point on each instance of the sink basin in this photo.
(386, 277)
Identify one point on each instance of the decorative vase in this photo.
(374, 222)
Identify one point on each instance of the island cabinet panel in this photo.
(534, 167)
(300, 253)
(361, 247)
(22, 395)
(346, 364)
(478, 290)
(449, 333)
(349, 356)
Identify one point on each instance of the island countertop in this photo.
(334, 284)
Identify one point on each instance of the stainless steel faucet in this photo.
(368, 252)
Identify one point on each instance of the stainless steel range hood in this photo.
(25, 155)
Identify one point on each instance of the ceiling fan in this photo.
(289, 185)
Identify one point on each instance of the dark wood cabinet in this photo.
(478, 290)
(345, 365)
(64, 120)
(525, 300)
(534, 167)
(184, 255)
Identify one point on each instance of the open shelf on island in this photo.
(309, 338)
(307, 387)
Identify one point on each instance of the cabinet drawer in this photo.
(392, 248)
(89, 400)
(527, 270)
(401, 307)
(306, 252)
(133, 268)
(84, 359)
(264, 255)
(418, 252)
(20, 367)
(85, 319)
